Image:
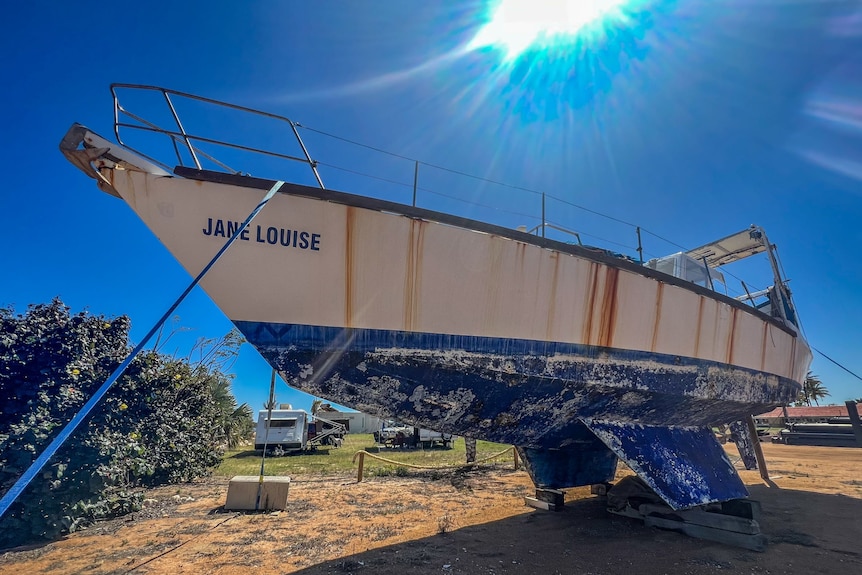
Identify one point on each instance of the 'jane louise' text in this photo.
(270, 235)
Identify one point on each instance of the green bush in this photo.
(164, 421)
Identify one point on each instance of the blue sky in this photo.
(692, 119)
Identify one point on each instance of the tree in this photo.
(215, 356)
(812, 390)
(160, 423)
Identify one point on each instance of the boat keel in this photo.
(685, 466)
(585, 461)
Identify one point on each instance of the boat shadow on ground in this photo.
(806, 531)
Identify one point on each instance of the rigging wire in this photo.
(486, 180)
(836, 363)
(505, 185)
(25, 478)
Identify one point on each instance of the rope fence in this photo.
(362, 453)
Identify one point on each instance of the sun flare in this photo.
(516, 25)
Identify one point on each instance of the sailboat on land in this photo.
(572, 354)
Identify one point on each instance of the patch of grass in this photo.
(332, 461)
(381, 532)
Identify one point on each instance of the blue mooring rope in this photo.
(23, 481)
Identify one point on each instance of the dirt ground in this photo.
(465, 522)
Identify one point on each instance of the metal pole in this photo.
(640, 247)
(853, 414)
(543, 214)
(311, 162)
(265, 438)
(708, 276)
(35, 467)
(758, 449)
(415, 181)
(751, 299)
(182, 130)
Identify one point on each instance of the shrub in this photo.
(162, 422)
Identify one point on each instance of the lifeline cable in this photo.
(35, 467)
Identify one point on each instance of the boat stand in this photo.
(731, 522)
(547, 499)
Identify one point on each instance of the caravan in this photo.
(296, 430)
(287, 429)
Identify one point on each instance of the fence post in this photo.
(470, 447)
(361, 466)
(515, 454)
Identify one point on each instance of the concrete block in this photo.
(539, 504)
(242, 493)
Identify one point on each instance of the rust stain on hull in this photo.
(552, 304)
(659, 294)
(730, 335)
(413, 277)
(609, 307)
(590, 302)
(699, 326)
(349, 258)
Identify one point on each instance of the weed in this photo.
(445, 524)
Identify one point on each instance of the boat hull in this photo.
(571, 410)
(520, 392)
(576, 357)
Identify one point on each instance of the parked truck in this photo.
(393, 434)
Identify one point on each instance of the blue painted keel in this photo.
(684, 466)
(585, 461)
(572, 409)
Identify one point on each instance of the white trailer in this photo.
(296, 430)
(287, 429)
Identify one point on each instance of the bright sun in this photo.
(516, 25)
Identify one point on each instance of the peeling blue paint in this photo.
(684, 466)
(744, 443)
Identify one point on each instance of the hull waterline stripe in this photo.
(21, 484)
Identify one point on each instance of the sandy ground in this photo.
(468, 522)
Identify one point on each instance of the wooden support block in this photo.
(242, 493)
(629, 511)
(553, 496)
(703, 518)
(600, 489)
(754, 542)
(729, 529)
(538, 504)
(747, 508)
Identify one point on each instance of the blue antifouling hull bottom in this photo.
(685, 466)
(571, 409)
(585, 461)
